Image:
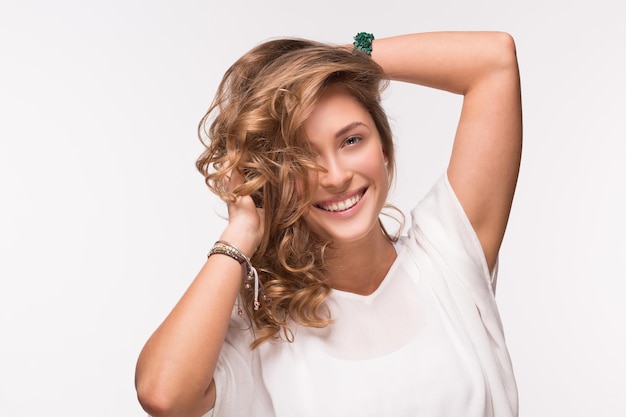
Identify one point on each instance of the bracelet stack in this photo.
(250, 273)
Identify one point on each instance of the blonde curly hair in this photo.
(255, 124)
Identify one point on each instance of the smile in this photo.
(342, 205)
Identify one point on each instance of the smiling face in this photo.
(349, 194)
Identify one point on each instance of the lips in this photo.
(344, 204)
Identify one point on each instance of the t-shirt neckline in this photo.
(399, 247)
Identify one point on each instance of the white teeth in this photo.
(341, 205)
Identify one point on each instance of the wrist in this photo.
(242, 238)
(363, 42)
(250, 274)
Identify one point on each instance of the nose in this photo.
(335, 175)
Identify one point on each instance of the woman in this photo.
(340, 317)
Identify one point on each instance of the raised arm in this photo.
(482, 66)
(175, 368)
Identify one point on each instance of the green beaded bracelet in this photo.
(363, 42)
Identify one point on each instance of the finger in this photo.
(232, 180)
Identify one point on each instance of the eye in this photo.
(352, 140)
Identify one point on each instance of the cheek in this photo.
(312, 182)
(380, 173)
(376, 165)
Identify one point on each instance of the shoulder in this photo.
(440, 226)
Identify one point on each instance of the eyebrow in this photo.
(341, 132)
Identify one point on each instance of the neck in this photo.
(360, 267)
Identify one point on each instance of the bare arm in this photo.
(174, 375)
(482, 66)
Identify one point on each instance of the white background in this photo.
(104, 220)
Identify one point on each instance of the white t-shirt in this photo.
(428, 342)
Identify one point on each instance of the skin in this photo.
(484, 164)
(175, 368)
(349, 148)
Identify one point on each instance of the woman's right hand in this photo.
(245, 220)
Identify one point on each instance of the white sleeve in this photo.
(451, 258)
(234, 374)
(440, 219)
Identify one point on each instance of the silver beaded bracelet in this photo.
(221, 247)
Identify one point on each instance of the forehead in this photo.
(334, 110)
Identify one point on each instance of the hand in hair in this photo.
(245, 220)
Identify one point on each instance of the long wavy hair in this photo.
(255, 124)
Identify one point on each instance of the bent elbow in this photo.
(170, 400)
(157, 400)
(505, 50)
